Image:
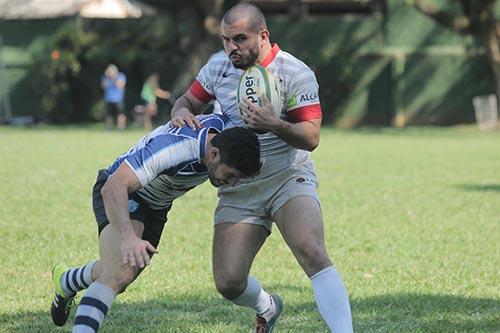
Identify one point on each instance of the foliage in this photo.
(369, 67)
(411, 221)
(60, 63)
(75, 56)
(479, 18)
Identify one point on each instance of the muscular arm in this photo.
(115, 195)
(301, 135)
(185, 109)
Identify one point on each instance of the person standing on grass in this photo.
(284, 191)
(113, 83)
(131, 199)
(149, 93)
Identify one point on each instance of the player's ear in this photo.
(214, 154)
(264, 35)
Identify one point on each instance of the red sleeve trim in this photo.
(200, 93)
(304, 113)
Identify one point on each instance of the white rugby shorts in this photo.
(256, 200)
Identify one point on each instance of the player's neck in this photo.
(264, 52)
(210, 137)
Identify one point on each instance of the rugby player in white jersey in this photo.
(285, 189)
(131, 199)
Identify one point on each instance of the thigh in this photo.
(110, 241)
(153, 219)
(247, 202)
(120, 108)
(296, 182)
(235, 247)
(300, 223)
(110, 109)
(152, 109)
(114, 272)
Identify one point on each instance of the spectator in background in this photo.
(113, 83)
(150, 92)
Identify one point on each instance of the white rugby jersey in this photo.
(218, 79)
(168, 161)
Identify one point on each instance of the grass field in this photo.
(412, 221)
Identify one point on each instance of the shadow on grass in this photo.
(426, 313)
(479, 187)
(387, 313)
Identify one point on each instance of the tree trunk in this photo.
(201, 42)
(494, 52)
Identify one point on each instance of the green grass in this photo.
(412, 221)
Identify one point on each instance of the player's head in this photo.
(234, 153)
(111, 70)
(244, 34)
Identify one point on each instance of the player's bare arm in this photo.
(185, 109)
(302, 135)
(135, 251)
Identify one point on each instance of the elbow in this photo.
(311, 144)
(106, 190)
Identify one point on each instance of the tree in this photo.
(476, 18)
(201, 39)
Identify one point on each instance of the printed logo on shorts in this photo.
(305, 181)
(132, 206)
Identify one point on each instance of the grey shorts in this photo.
(256, 200)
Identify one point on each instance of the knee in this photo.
(124, 279)
(230, 286)
(312, 256)
(119, 280)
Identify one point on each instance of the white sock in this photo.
(332, 300)
(93, 308)
(256, 298)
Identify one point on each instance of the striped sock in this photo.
(93, 308)
(77, 278)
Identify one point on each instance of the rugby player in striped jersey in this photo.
(131, 199)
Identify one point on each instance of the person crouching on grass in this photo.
(131, 199)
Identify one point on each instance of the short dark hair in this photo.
(239, 148)
(252, 13)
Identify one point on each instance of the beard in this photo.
(245, 61)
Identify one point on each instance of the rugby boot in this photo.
(263, 326)
(61, 304)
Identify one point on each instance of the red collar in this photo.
(270, 56)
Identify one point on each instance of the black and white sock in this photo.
(93, 308)
(77, 278)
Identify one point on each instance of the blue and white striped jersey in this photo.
(167, 161)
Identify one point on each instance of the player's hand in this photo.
(136, 252)
(182, 117)
(262, 118)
